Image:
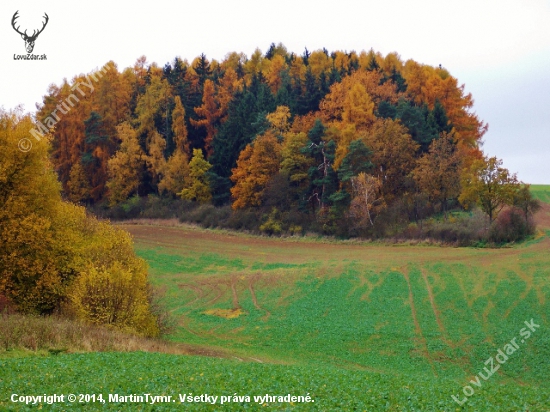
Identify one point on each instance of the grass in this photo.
(22, 336)
(358, 327)
(541, 192)
(332, 389)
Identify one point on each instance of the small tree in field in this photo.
(489, 185)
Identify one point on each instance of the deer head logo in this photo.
(29, 40)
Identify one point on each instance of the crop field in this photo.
(354, 326)
(541, 192)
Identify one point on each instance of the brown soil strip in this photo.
(528, 286)
(234, 293)
(216, 289)
(444, 335)
(255, 300)
(372, 286)
(418, 330)
(198, 292)
(485, 322)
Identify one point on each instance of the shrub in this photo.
(243, 219)
(511, 226)
(114, 296)
(156, 207)
(166, 321)
(5, 305)
(272, 226)
(295, 230)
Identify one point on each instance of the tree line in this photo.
(343, 139)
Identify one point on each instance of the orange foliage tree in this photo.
(210, 113)
(256, 165)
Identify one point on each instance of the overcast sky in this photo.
(499, 49)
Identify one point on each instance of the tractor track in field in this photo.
(420, 338)
(528, 287)
(479, 275)
(199, 293)
(214, 290)
(234, 295)
(215, 287)
(253, 280)
(437, 314)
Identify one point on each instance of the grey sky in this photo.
(499, 49)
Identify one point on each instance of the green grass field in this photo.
(541, 192)
(354, 326)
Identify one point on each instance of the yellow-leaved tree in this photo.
(279, 120)
(29, 199)
(367, 199)
(294, 163)
(111, 287)
(256, 165)
(196, 187)
(489, 185)
(126, 167)
(393, 155)
(55, 257)
(176, 169)
(78, 187)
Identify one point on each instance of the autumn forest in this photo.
(338, 143)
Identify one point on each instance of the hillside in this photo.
(354, 326)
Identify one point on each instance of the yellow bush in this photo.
(52, 252)
(114, 296)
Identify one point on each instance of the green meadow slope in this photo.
(353, 326)
(541, 192)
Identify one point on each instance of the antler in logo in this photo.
(29, 40)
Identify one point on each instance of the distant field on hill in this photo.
(355, 326)
(541, 192)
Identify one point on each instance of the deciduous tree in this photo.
(279, 120)
(367, 199)
(197, 187)
(256, 165)
(78, 185)
(294, 163)
(179, 128)
(393, 155)
(126, 167)
(489, 185)
(210, 114)
(524, 200)
(437, 173)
